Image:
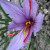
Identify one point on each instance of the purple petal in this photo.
(38, 23)
(12, 26)
(34, 8)
(17, 41)
(12, 9)
(29, 34)
(20, 20)
(26, 7)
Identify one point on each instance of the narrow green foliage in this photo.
(6, 20)
(32, 42)
(44, 37)
(3, 42)
(36, 44)
(32, 46)
(29, 46)
(8, 38)
(4, 23)
(6, 45)
(20, 3)
(3, 32)
(3, 38)
(7, 42)
(5, 13)
(3, 28)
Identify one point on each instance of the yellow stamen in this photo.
(28, 23)
(26, 26)
(25, 30)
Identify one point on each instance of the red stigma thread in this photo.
(30, 8)
(20, 30)
(27, 35)
(10, 34)
(17, 32)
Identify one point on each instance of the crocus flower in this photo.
(23, 19)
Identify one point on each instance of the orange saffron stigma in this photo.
(29, 1)
(27, 35)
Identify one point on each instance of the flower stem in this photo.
(29, 46)
(36, 44)
(32, 43)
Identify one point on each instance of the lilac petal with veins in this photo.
(38, 23)
(34, 8)
(12, 9)
(17, 41)
(12, 26)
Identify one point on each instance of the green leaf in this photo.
(8, 38)
(3, 28)
(20, 3)
(32, 45)
(6, 20)
(4, 23)
(36, 44)
(3, 42)
(3, 32)
(44, 38)
(3, 38)
(29, 46)
(7, 43)
(32, 42)
(5, 14)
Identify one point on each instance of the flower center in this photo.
(27, 24)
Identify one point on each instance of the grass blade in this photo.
(7, 43)
(6, 20)
(3, 32)
(3, 42)
(5, 14)
(32, 46)
(29, 46)
(8, 38)
(32, 43)
(3, 28)
(20, 3)
(36, 44)
(4, 23)
(3, 38)
(44, 38)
